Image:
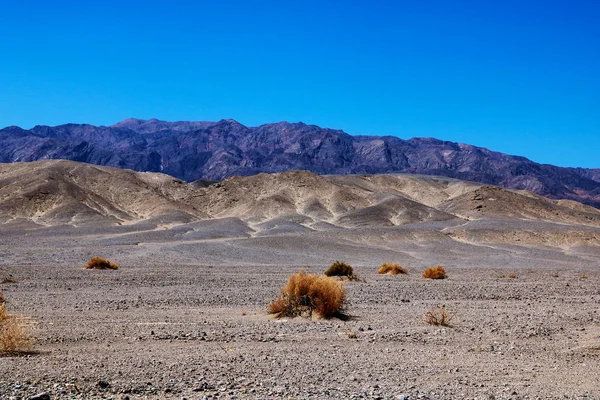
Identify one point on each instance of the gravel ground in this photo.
(160, 330)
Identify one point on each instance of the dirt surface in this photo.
(197, 329)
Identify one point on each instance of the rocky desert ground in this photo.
(185, 314)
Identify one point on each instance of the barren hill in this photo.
(491, 201)
(216, 150)
(50, 193)
(65, 192)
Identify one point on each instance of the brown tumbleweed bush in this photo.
(14, 333)
(308, 293)
(439, 316)
(435, 273)
(393, 269)
(340, 268)
(511, 276)
(100, 263)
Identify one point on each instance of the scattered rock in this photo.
(103, 384)
(41, 396)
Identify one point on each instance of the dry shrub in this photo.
(439, 316)
(308, 293)
(340, 268)
(1, 297)
(8, 279)
(511, 276)
(435, 273)
(14, 334)
(100, 263)
(393, 269)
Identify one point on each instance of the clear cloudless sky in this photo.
(521, 77)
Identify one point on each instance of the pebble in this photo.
(103, 384)
(41, 396)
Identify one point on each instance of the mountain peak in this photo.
(229, 121)
(156, 125)
(133, 122)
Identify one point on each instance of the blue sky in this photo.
(521, 77)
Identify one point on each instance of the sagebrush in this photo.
(305, 294)
(439, 316)
(438, 272)
(101, 263)
(393, 269)
(340, 268)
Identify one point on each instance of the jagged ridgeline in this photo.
(216, 150)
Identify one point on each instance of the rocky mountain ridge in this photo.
(216, 150)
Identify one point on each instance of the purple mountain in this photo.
(216, 150)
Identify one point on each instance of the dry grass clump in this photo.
(100, 263)
(439, 316)
(438, 272)
(393, 269)
(8, 279)
(511, 276)
(340, 268)
(308, 293)
(14, 334)
(352, 334)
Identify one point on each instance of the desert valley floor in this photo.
(185, 314)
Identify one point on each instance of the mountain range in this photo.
(215, 150)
